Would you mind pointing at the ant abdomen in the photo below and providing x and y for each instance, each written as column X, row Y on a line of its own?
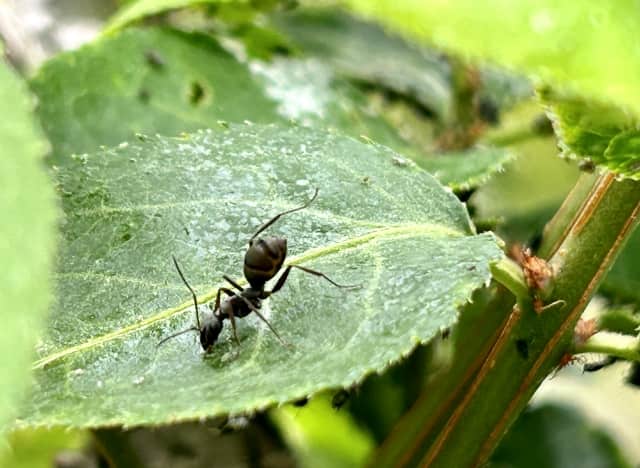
column 263, row 260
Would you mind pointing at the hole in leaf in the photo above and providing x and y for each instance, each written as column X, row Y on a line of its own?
column 196, row 93
column 154, row 59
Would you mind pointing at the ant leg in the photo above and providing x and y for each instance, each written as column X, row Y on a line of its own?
column 217, row 306
column 193, row 294
column 233, row 283
column 284, row 276
column 263, row 318
column 232, row 318
column 277, row 217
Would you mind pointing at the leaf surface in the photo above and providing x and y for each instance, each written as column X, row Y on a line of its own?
column 84, row 95
column 365, row 52
column 623, row 280
column 155, row 80
column 88, row 98
column 407, row 241
column 319, row 436
column 466, row 169
column 596, row 132
column 27, row 239
column 589, row 48
column 531, row 189
column 139, row 9
column 556, row 436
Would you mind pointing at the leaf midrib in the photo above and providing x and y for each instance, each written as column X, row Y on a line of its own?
column 396, row 231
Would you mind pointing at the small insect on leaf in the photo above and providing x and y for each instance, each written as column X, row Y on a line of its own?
column 263, row 260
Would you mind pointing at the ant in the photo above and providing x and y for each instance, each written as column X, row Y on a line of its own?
column 263, row 260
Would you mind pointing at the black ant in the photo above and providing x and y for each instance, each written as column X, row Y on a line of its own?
column 263, row 260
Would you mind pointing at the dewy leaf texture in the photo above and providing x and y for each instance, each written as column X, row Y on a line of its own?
column 391, row 228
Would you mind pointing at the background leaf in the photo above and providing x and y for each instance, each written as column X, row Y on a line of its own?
column 597, row 132
column 156, row 80
column 139, row 9
column 307, row 432
column 589, row 48
column 41, row 448
column 402, row 236
column 466, row 169
column 527, row 194
column 622, row 283
column 27, row 239
column 84, row 94
column 556, row 436
column 346, row 43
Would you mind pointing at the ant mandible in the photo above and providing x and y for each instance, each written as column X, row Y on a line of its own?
column 263, row 260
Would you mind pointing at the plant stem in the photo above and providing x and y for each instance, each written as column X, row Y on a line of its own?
column 443, row 391
column 613, row 344
column 509, row 274
column 557, row 228
column 529, row 345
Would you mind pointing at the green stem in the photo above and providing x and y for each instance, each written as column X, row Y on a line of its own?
column 558, row 227
column 614, row 344
column 527, row 346
column 443, row 391
column 509, row 274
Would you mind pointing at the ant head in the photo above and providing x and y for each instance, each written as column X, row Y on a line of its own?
column 263, row 259
column 210, row 331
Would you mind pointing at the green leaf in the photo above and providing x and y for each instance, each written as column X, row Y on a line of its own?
column 27, row 239
column 143, row 81
column 466, row 169
column 347, row 43
column 590, row 48
column 556, row 436
column 623, row 280
column 404, row 238
column 139, row 9
column 597, row 132
column 320, row 436
column 308, row 92
column 37, row 448
column 85, row 94
column 527, row 194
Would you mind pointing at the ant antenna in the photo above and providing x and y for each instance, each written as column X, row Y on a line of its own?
column 164, row 340
column 277, row 217
column 193, row 294
column 195, row 301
